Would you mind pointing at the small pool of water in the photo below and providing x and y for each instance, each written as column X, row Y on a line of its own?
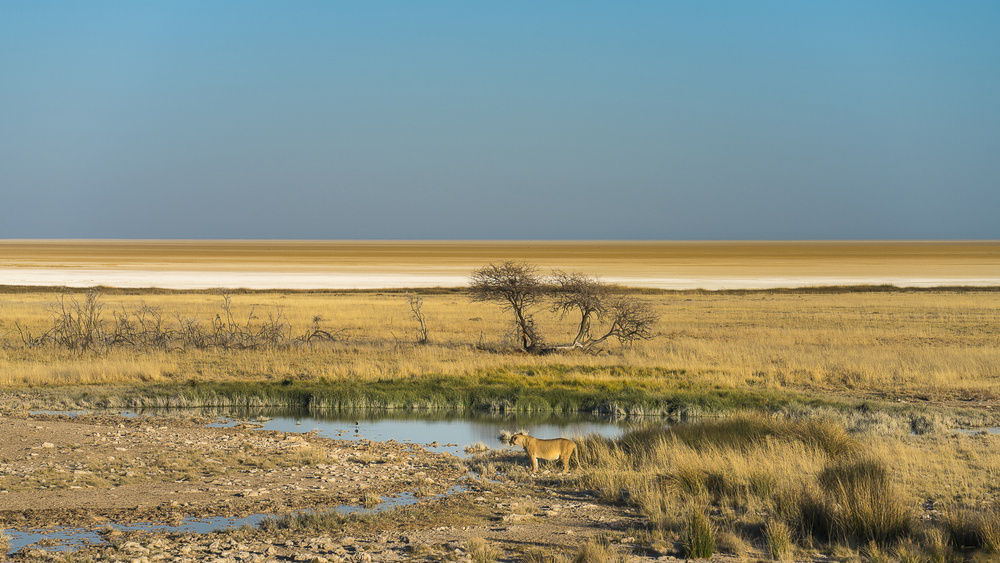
column 440, row 432
column 988, row 430
column 452, row 436
column 65, row 538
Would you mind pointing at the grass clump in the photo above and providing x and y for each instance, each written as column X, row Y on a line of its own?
column 540, row 556
column 973, row 529
column 594, row 551
column 699, row 540
column 937, row 547
column 371, row 500
column 875, row 554
column 779, row 540
column 909, row 552
column 480, row 551
column 477, row 448
column 733, row 543
column 866, row 507
column 304, row 520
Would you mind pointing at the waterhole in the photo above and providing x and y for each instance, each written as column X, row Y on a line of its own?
column 438, row 432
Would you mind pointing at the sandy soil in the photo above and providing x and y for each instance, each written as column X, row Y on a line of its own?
column 393, row 264
column 92, row 470
column 78, row 471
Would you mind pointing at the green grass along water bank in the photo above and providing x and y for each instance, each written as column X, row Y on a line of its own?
column 647, row 392
column 548, row 389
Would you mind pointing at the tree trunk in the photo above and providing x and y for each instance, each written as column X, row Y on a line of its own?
column 581, row 334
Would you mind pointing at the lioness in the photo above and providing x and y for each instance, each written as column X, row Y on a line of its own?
column 556, row 448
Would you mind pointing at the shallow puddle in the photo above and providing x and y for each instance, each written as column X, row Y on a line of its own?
column 987, row 430
column 65, row 538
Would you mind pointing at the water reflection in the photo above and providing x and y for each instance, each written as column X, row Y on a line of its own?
column 452, row 432
column 448, row 431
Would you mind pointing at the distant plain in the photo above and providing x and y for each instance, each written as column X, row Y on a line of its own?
column 191, row 264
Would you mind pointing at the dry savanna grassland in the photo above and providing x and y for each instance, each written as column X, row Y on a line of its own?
column 823, row 424
column 919, row 345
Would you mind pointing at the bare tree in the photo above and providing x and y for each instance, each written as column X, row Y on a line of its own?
column 582, row 293
column 78, row 325
column 631, row 320
column 518, row 287
column 416, row 306
column 228, row 333
column 143, row 327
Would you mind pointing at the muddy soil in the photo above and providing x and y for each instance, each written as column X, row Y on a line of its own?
column 92, row 470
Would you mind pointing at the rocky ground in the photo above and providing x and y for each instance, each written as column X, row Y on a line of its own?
column 94, row 470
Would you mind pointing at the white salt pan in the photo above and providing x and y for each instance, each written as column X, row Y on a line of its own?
column 176, row 279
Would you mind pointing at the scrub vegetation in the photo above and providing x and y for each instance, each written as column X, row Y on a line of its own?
column 712, row 351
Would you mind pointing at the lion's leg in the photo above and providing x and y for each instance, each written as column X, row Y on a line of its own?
column 534, row 464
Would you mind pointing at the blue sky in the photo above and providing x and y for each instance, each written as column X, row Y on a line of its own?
column 500, row 120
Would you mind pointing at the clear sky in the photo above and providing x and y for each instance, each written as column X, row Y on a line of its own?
column 500, row 120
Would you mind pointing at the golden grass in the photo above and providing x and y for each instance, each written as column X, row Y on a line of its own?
column 784, row 482
column 481, row 551
column 941, row 344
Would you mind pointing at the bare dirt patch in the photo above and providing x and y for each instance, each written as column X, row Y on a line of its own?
column 55, row 470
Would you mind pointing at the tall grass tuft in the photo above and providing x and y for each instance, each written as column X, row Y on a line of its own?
column 699, row 538
column 909, row 552
column 876, row 554
column 779, row 540
column 481, row 551
column 867, row 507
column 936, row 546
column 968, row 529
column 596, row 552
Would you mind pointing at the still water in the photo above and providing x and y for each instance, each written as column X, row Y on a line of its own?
column 64, row 538
column 437, row 432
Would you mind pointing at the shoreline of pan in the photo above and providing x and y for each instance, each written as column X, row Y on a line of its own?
column 207, row 280
column 345, row 265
